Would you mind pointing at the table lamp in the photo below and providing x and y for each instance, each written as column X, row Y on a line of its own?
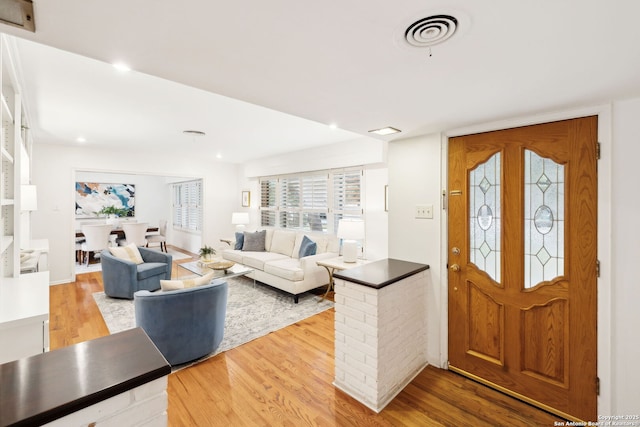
column 240, row 219
column 350, row 230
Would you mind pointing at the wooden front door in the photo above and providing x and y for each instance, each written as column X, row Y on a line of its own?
column 522, row 262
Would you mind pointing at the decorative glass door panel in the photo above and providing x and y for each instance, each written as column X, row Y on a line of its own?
column 522, row 256
column 484, row 215
column 544, row 219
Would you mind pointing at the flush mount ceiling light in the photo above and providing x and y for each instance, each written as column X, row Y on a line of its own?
column 385, row 131
column 18, row 13
column 430, row 31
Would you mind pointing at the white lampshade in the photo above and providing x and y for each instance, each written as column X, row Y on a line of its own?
column 28, row 198
column 350, row 230
column 240, row 218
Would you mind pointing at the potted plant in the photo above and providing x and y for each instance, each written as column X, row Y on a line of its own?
column 206, row 252
column 113, row 210
column 112, row 213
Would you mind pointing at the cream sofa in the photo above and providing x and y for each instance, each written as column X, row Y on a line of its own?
column 279, row 265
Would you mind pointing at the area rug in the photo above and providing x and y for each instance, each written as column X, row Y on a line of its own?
column 252, row 311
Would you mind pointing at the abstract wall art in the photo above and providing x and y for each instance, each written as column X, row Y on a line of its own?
column 92, row 197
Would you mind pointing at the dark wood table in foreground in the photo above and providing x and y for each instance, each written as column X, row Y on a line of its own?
column 43, row 388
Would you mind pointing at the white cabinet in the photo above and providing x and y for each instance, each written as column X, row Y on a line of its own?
column 24, row 316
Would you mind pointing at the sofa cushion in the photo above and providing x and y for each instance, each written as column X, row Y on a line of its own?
column 327, row 243
column 150, row 269
column 268, row 238
column 282, row 242
column 234, row 255
column 239, row 241
column 128, row 253
column 288, row 268
column 172, row 285
column 254, row 242
column 307, row 248
column 258, row 259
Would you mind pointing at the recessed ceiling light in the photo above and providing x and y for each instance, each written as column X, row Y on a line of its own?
column 121, row 67
column 81, row 139
column 218, row 156
column 333, row 126
column 385, row 131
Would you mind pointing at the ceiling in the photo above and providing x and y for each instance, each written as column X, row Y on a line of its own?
column 261, row 78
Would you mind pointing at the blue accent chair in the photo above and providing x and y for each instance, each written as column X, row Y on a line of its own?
column 122, row 278
column 184, row 324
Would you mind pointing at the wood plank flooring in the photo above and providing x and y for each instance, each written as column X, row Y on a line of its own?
column 286, row 379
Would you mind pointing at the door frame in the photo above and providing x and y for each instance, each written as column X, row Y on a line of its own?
column 604, row 282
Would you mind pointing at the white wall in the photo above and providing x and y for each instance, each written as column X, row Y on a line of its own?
column 625, row 248
column 54, row 168
column 376, row 245
column 415, row 179
column 364, row 151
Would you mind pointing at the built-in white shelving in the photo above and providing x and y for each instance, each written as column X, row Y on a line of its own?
column 6, row 157
column 24, row 298
column 11, row 119
column 7, row 114
column 5, row 242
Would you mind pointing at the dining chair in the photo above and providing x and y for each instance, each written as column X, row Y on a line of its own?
column 161, row 237
column 134, row 233
column 96, row 238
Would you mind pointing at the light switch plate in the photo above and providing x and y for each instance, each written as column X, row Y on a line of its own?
column 424, row 211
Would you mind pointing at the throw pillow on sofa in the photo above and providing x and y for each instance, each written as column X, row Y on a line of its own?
column 307, row 248
column 128, row 253
column 283, row 242
column 239, row 241
column 254, row 241
column 172, row 285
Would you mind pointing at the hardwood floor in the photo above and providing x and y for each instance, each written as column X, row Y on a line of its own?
column 285, row 378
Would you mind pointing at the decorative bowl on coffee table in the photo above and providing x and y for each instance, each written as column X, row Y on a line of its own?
column 221, row 265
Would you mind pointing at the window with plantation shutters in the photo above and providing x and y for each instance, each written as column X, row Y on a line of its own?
column 311, row 201
column 290, row 202
column 347, row 201
column 268, row 202
column 187, row 205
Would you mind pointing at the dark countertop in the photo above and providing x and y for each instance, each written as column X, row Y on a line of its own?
column 43, row 388
column 381, row 273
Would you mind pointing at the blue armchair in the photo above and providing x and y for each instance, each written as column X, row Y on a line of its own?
column 184, row 324
column 122, row 278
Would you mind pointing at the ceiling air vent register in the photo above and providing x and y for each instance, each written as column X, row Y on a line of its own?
column 431, row 31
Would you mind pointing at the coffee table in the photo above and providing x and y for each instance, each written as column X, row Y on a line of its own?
column 200, row 269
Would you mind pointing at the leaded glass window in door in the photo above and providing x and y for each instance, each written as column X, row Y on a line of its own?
column 484, row 215
column 544, row 219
